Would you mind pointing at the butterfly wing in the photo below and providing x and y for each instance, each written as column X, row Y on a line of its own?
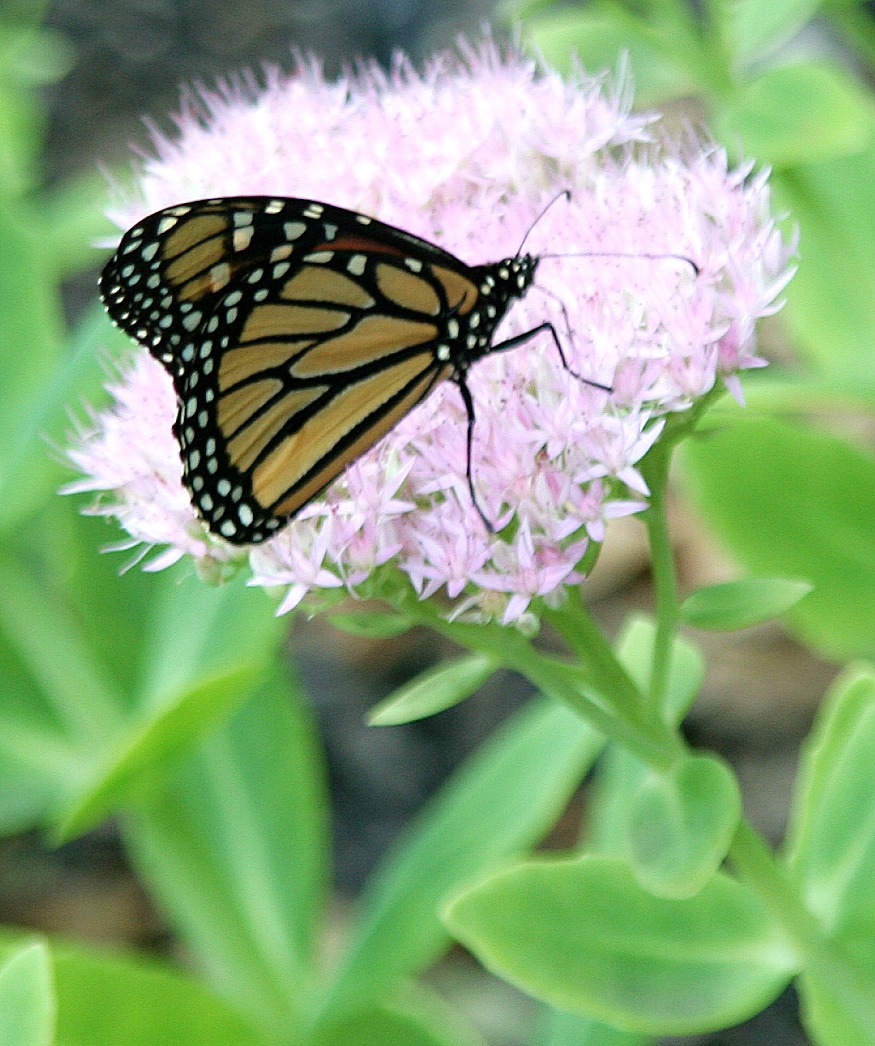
column 297, row 335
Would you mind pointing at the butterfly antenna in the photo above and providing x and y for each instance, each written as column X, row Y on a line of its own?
column 567, row 194
column 630, row 257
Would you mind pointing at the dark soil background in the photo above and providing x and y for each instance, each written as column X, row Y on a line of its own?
column 131, row 56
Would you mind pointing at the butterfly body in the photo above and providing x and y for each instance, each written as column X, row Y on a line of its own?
column 297, row 334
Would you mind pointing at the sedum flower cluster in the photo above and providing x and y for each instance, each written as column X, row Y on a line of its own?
column 468, row 154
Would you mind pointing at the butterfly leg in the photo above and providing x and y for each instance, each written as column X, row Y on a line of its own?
column 468, row 400
column 518, row 339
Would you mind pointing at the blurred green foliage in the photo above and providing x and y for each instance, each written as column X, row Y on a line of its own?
column 788, row 83
column 158, row 699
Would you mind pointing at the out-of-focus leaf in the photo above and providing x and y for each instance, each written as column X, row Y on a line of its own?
column 27, row 997
column 234, row 848
column 561, row 1028
column 434, row 690
column 372, row 625
column 681, row 824
column 757, row 28
column 126, row 1001
column 830, row 310
column 596, row 36
column 740, row 604
column 797, row 114
column 503, row 799
column 149, row 747
column 584, row 936
column 794, row 502
column 832, row 836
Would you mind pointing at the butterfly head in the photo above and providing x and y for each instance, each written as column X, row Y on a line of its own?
column 506, row 281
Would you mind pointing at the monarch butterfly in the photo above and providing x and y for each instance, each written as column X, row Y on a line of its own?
column 297, row 334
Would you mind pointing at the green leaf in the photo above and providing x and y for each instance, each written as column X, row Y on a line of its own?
column 595, row 38
column 681, row 824
column 30, row 474
column 31, row 322
column 44, row 634
column 34, row 57
column 395, row 1025
column 198, row 631
column 434, row 690
column 27, row 997
column 372, row 625
column 503, row 799
column 831, row 843
column 115, row 607
column 22, row 127
column 127, row 1001
column 830, row 310
column 572, row 1029
column 149, row 747
column 206, row 652
column 825, row 1017
column 740, row 604
column 72, row 221
column 635, row 648
column 234, row 848
column 619, row 775
column 757, row 28
column 831, row 846
column 793, row 502
column 32, row 767
column 585, row 937
column 796, row 114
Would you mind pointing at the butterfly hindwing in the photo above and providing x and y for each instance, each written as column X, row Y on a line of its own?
column 297, row 335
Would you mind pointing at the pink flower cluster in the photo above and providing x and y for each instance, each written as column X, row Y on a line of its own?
column 467, row 155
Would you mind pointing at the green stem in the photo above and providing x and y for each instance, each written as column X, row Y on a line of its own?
column 664, row 576
column 576, row 626
column 586, row 640
column 589, row 688
column 655, row 469
column 819, row 956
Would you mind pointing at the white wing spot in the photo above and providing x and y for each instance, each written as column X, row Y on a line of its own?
column 357, row 264
column 242, row 238
column 280, row 253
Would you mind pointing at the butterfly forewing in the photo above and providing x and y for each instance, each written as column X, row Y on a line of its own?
column 297, row 335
